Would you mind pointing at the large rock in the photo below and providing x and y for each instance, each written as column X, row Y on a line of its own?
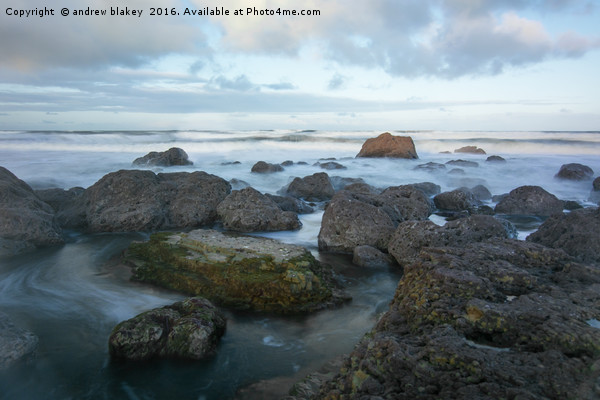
column 368, row 256
column 529, row 200
column 173, row 156
column 188, row 329
column 412, row 236
column 26, row 221
column 456, row 200
column 68, row 206
column 315, row 187
column 248, row 210
column 501, row 319
column 575, row 172
column 387, row 145
column 134, row 200
column 263, row 167
column 235, row 271
column 577, row 233
column 470, row 150
column 16, row 343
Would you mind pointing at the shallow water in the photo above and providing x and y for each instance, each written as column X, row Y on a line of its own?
column 72, row 296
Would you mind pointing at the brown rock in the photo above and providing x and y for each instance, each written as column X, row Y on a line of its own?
column 470, row 150
column 387, row 145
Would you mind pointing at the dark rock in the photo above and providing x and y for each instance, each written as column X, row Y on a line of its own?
column 331, row 165
column 529, row 200
column 470, row 150
column 339, row 182
column 495, row 159
column 571, row 205
column 287, row 163
column 412, row 236
column 315, row 187
column 134, row 200
column 577, row 233
column 188, row 329
column 431, row 167
column 596, row 184
column 501, row 319
column 236, row 271
column 26, row 221
column 404, row 203
column 575, row 172
column 237, row 184
column 481, row 193
column 463, row 163
column 231, row 163
column 456, row 200
column 387, row 145
column 248, row 210
column 594, row 197
column 16, row 344
column 456, row 171
column 289, row 203
column 262, row 167
column 302, row 163
column 68, row 206
column 429, row 188
column 368, row 256
column 173, row 156
column 498, row 197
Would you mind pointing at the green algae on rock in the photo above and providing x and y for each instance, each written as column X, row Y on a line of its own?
column 235, row 271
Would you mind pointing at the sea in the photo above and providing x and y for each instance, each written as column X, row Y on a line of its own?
column 72, row 296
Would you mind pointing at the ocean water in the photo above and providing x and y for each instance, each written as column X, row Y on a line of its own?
column 71, row 296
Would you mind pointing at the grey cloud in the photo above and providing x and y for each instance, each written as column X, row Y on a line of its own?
column 280, row 86
column 337, row 82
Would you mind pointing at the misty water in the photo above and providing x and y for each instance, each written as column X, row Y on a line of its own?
column 72, row 296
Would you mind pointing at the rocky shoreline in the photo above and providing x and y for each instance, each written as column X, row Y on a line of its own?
column 477, row 314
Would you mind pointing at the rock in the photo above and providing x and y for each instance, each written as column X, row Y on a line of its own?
column 188, row 329
column 431, row 167
column 235, row 271
column 16, row 344
column 331, row 165
column 248, row 210
column 457, row 200
column 429, row 188
column 594, row 197
column 368, row 256
column 339, row 182
column 231, row 163
column 456, row 171
column 173, row 156
column 481, row 193
column 135, row 200
column 529, row 200
column 26, row 221
column 68, row 206
column 387, row 145
column 237, row 184
column 495, row 159
column 412, row 236
column 470, row 150
column 404, row 203
column 315, row 187
column 289, row 203
column 463, row 163
column 577, row 233
column 575, row 172
column 596, row 184
column 571, row 205
column 262, row 167
column 287, row 163
column 501, row 319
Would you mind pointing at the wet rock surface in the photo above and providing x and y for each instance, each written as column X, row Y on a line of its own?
column 529, row 200
column 236, row 271
column 68, row 206
column 575, row 172
column 173, row 156
column 368, row 256
column 387, row 145
column 188, row 329
column 315, row 187
column 16, row 344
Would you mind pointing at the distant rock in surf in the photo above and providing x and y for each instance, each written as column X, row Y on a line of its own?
column 387, row 145
column 173, row 156
column 575, row 172
column 470, row 150
column 463, row 163
column 263, row 167
column 495, row 159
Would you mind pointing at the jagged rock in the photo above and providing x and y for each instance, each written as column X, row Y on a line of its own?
column 470, row 150
column 173, row 156
column 315, row 187
column 387, row 145
column 289, row 203
column 188, row 329
column 16, row 344
column 248, row 210
column 26, row 221
column 135, row 200
column 529, row 200
column 575, row 172
column 262, row 167
column 577, row 233
column 236, row 271
column 495, row 159
column 463, row 163
column 68, row 206
column 368, row 256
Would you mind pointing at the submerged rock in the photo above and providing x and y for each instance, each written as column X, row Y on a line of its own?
column 235, row 271
column 463, row 163
column 315, row 187
column 16, row 344
column 470, row 150
column 331, row 165
column 387, row 145
column 289, row 203
column 529, row 200
column 575, row 172
column 495, row 159
column 187, row 329
column 368, row 256
column 173, row 156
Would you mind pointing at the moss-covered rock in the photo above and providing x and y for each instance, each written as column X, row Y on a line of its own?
column 236, row 271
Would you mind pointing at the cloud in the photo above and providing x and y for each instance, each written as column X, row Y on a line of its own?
column 337, row 82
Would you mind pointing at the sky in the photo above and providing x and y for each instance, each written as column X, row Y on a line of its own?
column 352, row 65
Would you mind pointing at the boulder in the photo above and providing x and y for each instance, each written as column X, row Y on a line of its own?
column 596, row 184
column 26, row 221
column 235, row 271
column 481, row 193
column 529, row 200
column 495, row 159
column 368, row 256
column 16, row 344
column 136, row 200
column 412, row 236
column 68, row 206
column 315, row 187
column 331, row 165
column 173, row 156
column 463, row 163
column 262, row 167
column 387, row 145
column 248, row 210
column 188, row 329
column 289, row 203
column 496, row 319
column 404, row 203
column 575, row 172
column 339, row 182
column 470, row 150
column 456, row 200
column 429, row 188
column 577, row 233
